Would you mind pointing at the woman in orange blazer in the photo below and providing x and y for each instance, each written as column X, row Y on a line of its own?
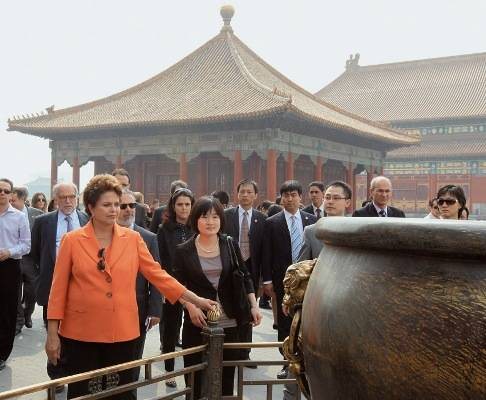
column 92, row 311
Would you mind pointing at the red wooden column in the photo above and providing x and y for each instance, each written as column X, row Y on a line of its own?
column 76, row 171
column 289, row 172
column 183, row 167
column 351, row 181
column 318, row 169
column 237, row 172
column 271, row 174
column 432, row 186
column 203, row 175
column 139, row 175
column 369, row 177
column 53, row 170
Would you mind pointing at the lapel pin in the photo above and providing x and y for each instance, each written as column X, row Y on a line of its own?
column 256, row 220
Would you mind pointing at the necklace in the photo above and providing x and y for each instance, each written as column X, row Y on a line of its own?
column 203, row 249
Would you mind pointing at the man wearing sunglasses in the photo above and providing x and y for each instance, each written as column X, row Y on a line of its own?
column 381, row 195
column 149, row 300
column 47, row 232
column 26, row 303
column 433, row 208
column 14, row 243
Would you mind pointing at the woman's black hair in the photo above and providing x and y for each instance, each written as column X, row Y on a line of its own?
column 178, row 193
column 202, row 206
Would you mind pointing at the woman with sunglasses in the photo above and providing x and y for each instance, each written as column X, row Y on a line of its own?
column 39, row 201
column 173, row 231
column 92, row 311
column 203, row 263
column 451, row 200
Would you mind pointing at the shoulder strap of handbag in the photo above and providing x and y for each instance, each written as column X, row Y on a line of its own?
column 232, row 251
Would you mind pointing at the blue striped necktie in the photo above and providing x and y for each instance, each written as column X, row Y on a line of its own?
column 295, row 238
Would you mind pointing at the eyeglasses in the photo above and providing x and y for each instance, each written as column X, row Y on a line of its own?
column 101, row 262
column 334, row 198
column 125, row 205
column 448, row 201
column 40, row 199
column 6, row 191
column 71, row 197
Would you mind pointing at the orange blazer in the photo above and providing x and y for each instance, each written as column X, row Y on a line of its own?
column 101, row 306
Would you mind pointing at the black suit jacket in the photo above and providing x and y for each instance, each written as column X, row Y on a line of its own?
column 43, row 251
column 232, row 228
column 369, row 210
column 140, row 215
column 188, row 271
column 310, row 210
column 149, row 300
column 277, row 250
column 157, row 219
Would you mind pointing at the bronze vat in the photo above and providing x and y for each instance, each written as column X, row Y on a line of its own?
column 396, row 309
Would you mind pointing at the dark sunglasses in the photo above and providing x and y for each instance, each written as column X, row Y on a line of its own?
column 449, row 202
column 101, row 263
column 131, row 205
column 6, row 191
column 41, row 199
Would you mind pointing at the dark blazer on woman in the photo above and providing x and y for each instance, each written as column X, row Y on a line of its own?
column 188, row 271
column 167, row 239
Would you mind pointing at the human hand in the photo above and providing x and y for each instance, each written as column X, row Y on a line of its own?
column 153, row 321
column 197, row 316
column 268, row 289
column 4, row 254
column 206, row 304
column 285, row 310
column 53, row 347
column 256, row 316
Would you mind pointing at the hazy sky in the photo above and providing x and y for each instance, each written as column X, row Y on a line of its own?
column 70, row 52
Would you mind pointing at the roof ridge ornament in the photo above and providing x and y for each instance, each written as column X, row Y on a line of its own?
column 227, row 11
column 352, row 63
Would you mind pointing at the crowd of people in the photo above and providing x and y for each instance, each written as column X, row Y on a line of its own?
column 107, row 274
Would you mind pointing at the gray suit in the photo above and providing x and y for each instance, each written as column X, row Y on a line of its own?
column 312, row 246
column 149, row 300
column 26, row 302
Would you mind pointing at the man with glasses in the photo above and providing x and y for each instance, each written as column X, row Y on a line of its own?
column 123, row 178
column 433, row 208
column 381, row 195
column 14, row 243
column 149, row 300
column 47, row 232
column 316, row 194
column 26, row 303
column 337, row 198
column 283, row 238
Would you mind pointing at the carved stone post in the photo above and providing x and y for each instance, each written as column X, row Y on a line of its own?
column 212, row 376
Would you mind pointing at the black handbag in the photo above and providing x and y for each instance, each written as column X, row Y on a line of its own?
column 240, row 296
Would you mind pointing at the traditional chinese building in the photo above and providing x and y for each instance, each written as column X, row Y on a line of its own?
column 218, row 115
column 445, row 100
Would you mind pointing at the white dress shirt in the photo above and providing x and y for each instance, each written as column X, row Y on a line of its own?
column 314, row 208
column 14, row 233
column 298, row 221
column 62, row 226
column 378, row 209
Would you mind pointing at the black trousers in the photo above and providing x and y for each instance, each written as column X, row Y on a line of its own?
column 138, row 349
column 26, row 303
column 172, row 321
column 191, row 336
column 9, row 291
column 246, row 336
column 284, row 322
column 80, row 357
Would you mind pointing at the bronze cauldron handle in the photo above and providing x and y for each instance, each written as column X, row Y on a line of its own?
column 295, row 285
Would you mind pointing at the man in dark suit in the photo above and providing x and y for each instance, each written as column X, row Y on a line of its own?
column 47, row 232
column 316, row 194
column 283, row 233
column 381, row 194
column 123, row 178
column 26, row 302
column 149, row 300
column 245, row 224
column 159, row 212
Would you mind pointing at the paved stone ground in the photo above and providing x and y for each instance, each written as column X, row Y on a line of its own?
column 27, row 364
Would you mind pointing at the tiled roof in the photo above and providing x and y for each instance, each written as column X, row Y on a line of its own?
column 223, row 80
column 439, row 147
column 431, row 89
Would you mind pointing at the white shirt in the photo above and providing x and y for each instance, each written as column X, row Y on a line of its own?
column 378, row 209
column 241, row 211
column 314, row 208
column 298, row 221
column 62, row 226
column 14, row 233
